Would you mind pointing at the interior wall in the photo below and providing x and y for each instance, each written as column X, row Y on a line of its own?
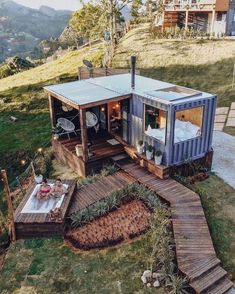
column 162, row 119
column 194, row 115
column 114, row 106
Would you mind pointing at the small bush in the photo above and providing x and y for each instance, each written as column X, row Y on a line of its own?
column 113, row 201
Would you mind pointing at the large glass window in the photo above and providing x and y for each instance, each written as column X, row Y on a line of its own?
column 155, row 123
column 188, row 124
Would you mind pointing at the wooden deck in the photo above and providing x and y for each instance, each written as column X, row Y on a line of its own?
column 30, row 225
column 94, row 192
column 195, row 252
column 64, row 150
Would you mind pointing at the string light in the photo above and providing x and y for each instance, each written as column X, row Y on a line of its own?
column 40, row 150
column 23, row 162
column 56, row 137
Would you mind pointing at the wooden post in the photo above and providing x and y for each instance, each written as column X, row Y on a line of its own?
column 52, row 111
column 213, row 21
column 84, row 134
column 163, row 20
column 233, row 74
column 9, row 205
column 186, row 19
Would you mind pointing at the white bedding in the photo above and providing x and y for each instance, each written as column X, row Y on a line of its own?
column 184, row 130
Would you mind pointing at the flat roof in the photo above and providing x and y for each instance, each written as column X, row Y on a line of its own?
column 95, row 90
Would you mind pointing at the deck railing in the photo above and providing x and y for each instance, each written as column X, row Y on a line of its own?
column 203, row 5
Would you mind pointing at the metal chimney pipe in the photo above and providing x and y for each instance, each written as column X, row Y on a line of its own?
column 133, row 64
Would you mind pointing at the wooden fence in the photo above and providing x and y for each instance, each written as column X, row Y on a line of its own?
column 85, row 73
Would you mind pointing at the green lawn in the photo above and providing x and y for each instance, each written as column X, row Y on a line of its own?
column 48, row 266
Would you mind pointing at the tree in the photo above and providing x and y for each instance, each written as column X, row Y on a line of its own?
column 89, row 21
column 135, row 8
column 18, row 64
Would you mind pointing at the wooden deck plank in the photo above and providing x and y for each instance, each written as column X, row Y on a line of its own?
column 194, row 248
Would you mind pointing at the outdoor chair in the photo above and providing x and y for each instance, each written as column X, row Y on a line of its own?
column 67, row 126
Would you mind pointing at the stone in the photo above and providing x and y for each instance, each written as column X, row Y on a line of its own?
column 231, row 113
column 156, row 284
column 233, row 105
column 220, row 118
column 149, row 285
column 222, row 110
column 147, row 274
column 231, row 122
column 218, row 126
column 156, row 275
column 143, row 279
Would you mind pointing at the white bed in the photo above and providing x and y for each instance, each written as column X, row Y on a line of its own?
column 184, row 130
column 33, row 205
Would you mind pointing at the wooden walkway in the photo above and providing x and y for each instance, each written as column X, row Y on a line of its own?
column 195, row 252
column 94, row 192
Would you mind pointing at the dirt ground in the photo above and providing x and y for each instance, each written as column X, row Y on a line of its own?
column 127, row 222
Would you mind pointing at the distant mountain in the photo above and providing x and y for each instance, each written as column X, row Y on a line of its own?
column 21, row 28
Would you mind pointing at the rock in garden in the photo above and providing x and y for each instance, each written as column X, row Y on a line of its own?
column 147, row 274
column 143, row 279
column 149, row 285
column 156, row 275
column 156, row 284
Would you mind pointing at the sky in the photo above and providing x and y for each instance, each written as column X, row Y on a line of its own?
column 57, row 4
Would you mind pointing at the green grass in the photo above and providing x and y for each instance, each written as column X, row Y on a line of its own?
column 48, row 266
column 205, row 65
column 64, row 66
column 218, row 200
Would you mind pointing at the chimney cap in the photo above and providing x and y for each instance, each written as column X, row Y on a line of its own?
column 133, row 59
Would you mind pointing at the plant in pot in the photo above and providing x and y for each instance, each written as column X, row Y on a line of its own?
column 149, row 152
column 38, row 176
column 158, row 157
column 140, row 147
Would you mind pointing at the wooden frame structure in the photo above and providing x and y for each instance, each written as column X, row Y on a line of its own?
column 197, row 12
column 29, row 225
column 172, row 100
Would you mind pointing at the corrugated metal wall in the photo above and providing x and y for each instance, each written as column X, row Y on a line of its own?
column 180, row 152
column 196, row 147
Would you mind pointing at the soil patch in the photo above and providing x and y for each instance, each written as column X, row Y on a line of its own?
column 126, row 222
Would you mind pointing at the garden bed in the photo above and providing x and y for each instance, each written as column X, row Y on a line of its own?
column 128, row 221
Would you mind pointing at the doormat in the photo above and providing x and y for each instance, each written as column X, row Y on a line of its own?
column 113, row 142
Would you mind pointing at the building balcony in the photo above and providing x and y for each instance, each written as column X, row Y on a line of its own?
column 196, row 5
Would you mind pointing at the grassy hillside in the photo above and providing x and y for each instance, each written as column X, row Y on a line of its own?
column 201, row 64
column 65, row 66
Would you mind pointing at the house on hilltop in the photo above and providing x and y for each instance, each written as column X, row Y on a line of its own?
column 211, row 16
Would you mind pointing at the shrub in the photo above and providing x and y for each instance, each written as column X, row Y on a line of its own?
column 113, row 201
column 158, row 153
column 106, row 171
column 150, row 148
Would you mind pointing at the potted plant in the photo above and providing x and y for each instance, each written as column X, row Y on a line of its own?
column 140, row 147
column 158, row 157
column 149, row 152
column 38, row 177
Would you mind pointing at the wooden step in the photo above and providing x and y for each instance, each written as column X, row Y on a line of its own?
column 119, row 157
column 207, row 280
column 221, row 287
column 203, row 267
